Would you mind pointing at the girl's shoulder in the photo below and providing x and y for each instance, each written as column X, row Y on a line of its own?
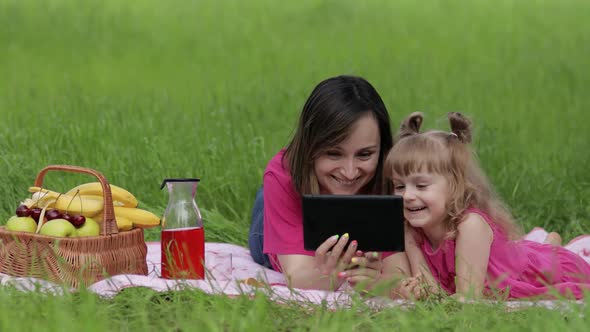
column 476, row 211
column 476, row 221
column 473, row 212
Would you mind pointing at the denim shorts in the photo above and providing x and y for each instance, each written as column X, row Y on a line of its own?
column 256, row 234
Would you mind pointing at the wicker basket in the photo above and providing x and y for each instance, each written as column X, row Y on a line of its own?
column 80, row 261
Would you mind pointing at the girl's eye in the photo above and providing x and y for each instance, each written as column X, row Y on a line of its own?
column 421, row 186
column 398, row 187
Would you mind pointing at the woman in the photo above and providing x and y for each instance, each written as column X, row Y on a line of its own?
column 342, row 137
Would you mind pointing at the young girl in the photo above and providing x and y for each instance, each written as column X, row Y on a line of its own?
column 460, row 237
column 339, row 148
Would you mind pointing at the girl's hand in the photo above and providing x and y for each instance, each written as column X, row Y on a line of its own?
column 417, row 288
column 365, row 268
column 330, row 256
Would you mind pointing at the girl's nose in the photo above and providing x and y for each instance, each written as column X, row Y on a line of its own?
column 408, row 194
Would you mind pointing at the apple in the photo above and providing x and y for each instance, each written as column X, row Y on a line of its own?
column 58, row 227
column 21, row 224
column 90, row 228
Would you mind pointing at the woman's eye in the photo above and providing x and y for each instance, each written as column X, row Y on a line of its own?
column 332, row 153
column 365, row 155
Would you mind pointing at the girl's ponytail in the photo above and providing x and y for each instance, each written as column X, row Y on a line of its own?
column 410, row 125
column 460, row 126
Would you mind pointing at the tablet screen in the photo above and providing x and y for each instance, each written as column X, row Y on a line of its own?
column 375, row 221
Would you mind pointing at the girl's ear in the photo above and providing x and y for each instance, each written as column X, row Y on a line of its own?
column 411, row 125
column 460, row 126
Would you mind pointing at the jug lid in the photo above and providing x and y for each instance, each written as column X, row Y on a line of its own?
column 179, row 180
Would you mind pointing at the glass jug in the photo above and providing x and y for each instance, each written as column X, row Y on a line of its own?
column 183, row 236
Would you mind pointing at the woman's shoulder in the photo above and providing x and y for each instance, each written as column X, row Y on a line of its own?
column 277, row 164
column 277, row 178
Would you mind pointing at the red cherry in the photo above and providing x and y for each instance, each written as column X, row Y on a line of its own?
column 52, row 214
column 35, row 214
column 78, row 220
column 23, row 211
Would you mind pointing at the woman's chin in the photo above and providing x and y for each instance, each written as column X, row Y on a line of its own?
column 343, row 191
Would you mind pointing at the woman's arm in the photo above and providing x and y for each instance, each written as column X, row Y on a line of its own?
column 319, row 271
column 472, row 253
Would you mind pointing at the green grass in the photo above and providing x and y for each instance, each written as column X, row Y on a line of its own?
column 144, row 90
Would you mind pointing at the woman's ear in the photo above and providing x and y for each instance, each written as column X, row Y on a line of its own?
column 411, row 125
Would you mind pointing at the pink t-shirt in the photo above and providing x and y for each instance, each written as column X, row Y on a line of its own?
column 283, row 218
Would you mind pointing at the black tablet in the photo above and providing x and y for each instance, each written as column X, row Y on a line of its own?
column 375, row 221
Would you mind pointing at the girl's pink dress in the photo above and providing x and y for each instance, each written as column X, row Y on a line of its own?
column 516, row 269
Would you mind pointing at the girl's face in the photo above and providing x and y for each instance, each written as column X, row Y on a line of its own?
column 425, row 197
column 346, row 168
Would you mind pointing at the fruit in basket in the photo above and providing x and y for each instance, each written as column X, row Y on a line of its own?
column 77, row 220
column 53, row 214
column 139, row 217
column 23, row 211
column 35, row 214
column 127, row 218
column 21, row 224
column 124, row 224
column 72, row 204
column 86, row 201
column 121, row 197
column 58, row 227
column 89, row 228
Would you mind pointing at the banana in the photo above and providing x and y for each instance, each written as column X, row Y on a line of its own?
column 124, row 224
column 120, row 195
column 140, row 218
column 127, row 218
column 100, row 198
column 67, row 203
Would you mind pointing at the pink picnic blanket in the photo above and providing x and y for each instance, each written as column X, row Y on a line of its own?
column 230, row 270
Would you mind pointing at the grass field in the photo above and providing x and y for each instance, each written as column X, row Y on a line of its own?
column 144, row 90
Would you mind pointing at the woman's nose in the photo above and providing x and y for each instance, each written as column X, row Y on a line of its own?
column 349, row 170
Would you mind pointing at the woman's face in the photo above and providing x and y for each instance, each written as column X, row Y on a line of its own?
column 346, row 168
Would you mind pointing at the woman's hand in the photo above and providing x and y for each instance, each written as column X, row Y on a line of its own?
column 321, row 270
column 330, row 256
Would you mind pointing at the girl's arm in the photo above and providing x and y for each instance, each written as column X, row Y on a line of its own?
column 472, row 253
column 416, row 258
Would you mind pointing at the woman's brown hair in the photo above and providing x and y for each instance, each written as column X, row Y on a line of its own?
column 328, row 116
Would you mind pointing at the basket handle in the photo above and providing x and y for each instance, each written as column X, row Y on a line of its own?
column 109, row 223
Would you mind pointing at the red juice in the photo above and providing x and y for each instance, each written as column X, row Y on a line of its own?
column 183, row 253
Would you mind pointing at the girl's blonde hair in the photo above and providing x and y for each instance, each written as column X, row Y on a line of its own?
column 450, row 155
